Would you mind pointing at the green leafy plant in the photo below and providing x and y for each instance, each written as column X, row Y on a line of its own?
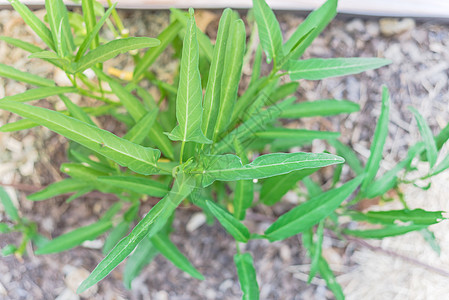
column 187, row 146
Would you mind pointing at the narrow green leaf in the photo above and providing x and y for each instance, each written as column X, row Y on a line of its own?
column 320, row 108
column 111, row 49
column 112, row 211
column 427, row 136
column 213, row 88
column 139, row 185
column 256, row 66
column 21, row 44
column 75, row 237
column 76, row 112
column 283, row 65
column 391, row 230
column 263, row 99
column 76, row 22
column 144, row 254
column 203, row 40
column 81, row 171
column 247, row 276
column 10, row 72
column 430, row 238
column 319, row 68
column 33, row 21
column 4, row 228
column 313, row 188
column 39, row 93
column 233, row 226
column 389, row 180
column 189, row 98
column 415, row 216
column 90, row 20
column 79, row 194
column 297, row 134
column 64, row 26
column 9, row 207
column 441, row 138
column 248, row 97
column 323, row 267
column 166, row 37
column 142, row 128
column 116, row 234
column 311, row 212
column 92, row 37
column 18, row 125
column 137, row 158
column 284, row 145
column 229, row 167
column 137, row 111
column 169, row 250
column 377, row 145
column 318, row 19
column 282, row 91
column 55, row 20
column 39, row 240
column 245, row 132
column 244, row 189
column 102, row 165
column 147, row 227
column 269, row 31
column 442, row 166
column 58, row 188
column 348, row 154
column 274, row 188
column 53, row 58
column 66, row 29
column 315, row 264
column 8, row 250
column 331, row 281
column 243, row 197
column 146, row 97
column 235, row 51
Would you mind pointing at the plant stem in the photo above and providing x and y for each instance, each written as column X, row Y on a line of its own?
column 118, row 21
column 183, row 144
column 89, row 94
column 72, row 80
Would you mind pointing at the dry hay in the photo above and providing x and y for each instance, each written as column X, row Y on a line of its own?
column 383, row 276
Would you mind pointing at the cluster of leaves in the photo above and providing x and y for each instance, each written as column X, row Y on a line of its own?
column 194, row 146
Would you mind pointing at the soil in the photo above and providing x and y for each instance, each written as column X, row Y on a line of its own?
column 30, row 159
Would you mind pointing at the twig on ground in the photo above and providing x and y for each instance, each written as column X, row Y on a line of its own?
column 398, row 255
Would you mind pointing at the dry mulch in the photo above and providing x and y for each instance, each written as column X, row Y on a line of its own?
column 418, row 77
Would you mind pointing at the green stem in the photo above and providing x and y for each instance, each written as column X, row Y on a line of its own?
column 89, row 94
column 87, row 82
column 237, row 246
column 72, row 79
column 183, row 144
column 118, row 21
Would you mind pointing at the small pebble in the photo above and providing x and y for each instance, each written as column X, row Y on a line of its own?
column 162, row 295
column 67, row 294
column 391, row 26
column 74, row 278
column 355, row 25
column 285, row 253
column 372, row 29
column 195, row 222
